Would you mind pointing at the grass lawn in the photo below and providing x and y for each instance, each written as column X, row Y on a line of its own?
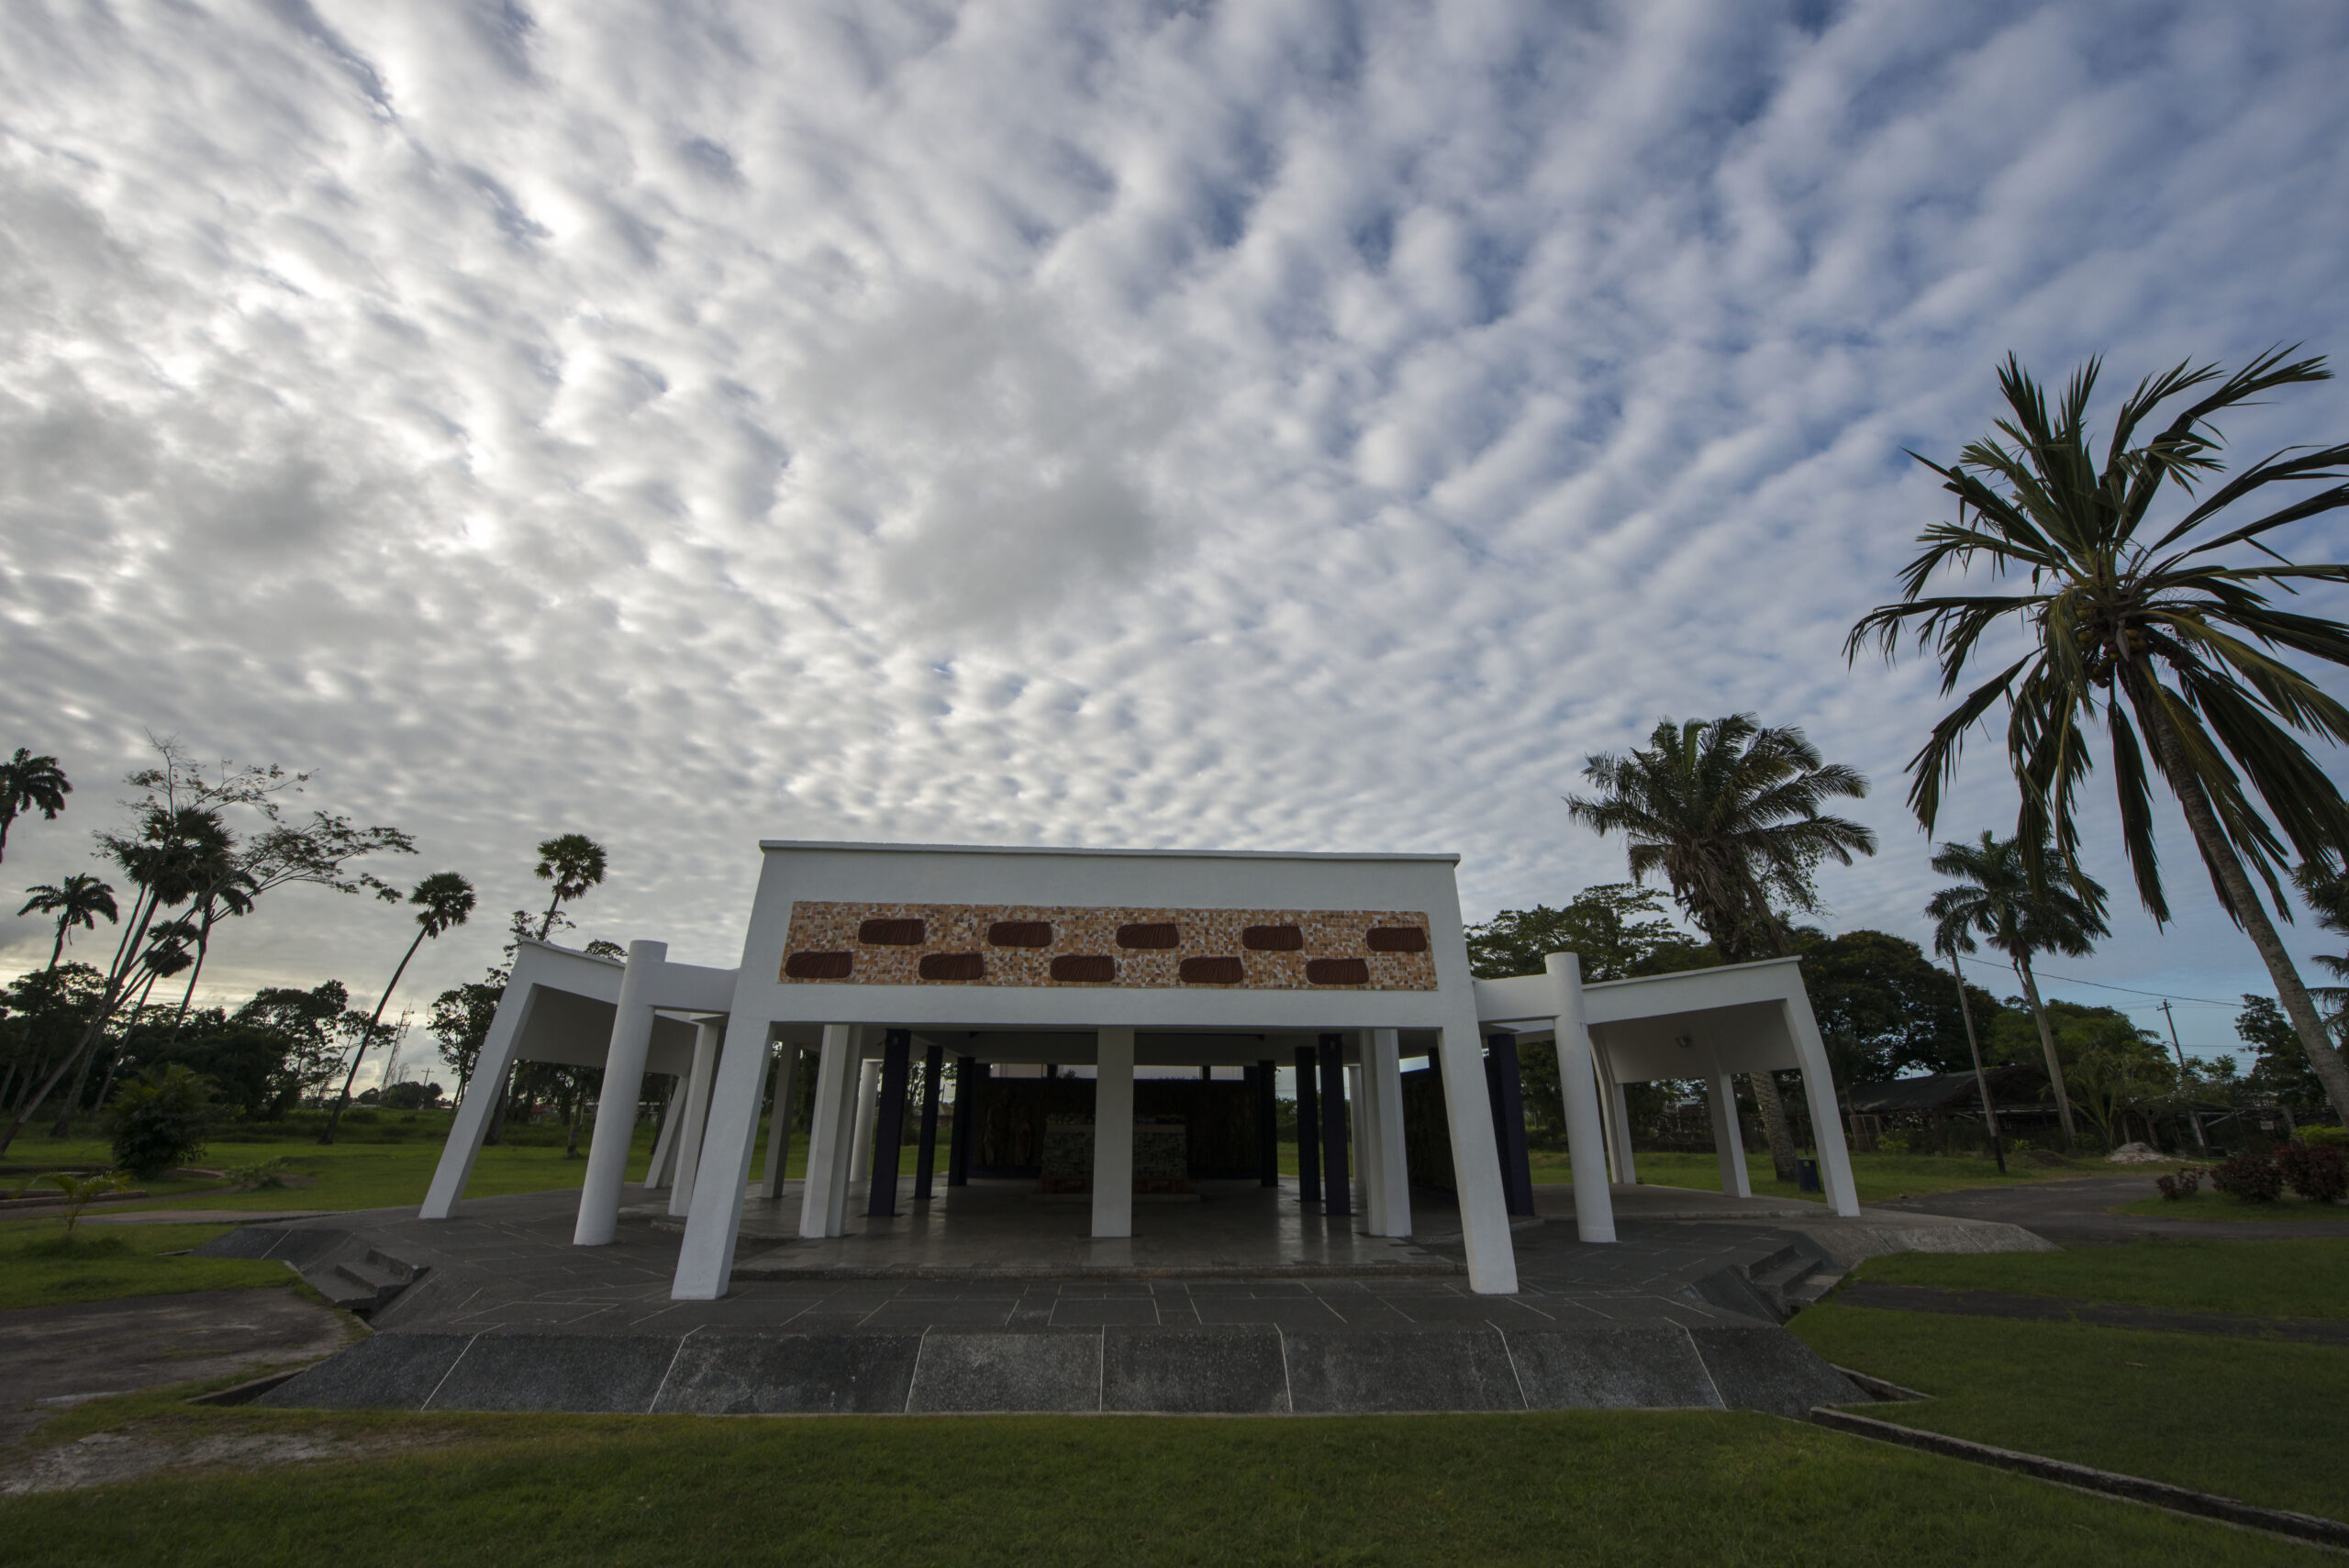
column 1621, row 1489
column 39, row 1268
column 2278, row 1279
column 2258, row 1420
column 2218, row 1205
column 1879, row 1176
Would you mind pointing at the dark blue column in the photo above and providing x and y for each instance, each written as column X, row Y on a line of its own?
column 969, row 1073
column 1308, row 1128
column 889, row 1127
column 1337, row 1186
column 926, row 1159
column 1268, row 1131
column 1505, row 1085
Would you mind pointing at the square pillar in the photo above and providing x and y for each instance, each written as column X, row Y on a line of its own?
column 1374, row 1202
column 1627, row 1169
column 933, row 1064
column 1476, row 1164
column 969, row 1073
column 1826, row 1117
column 1309, row 1126
column 1390, row 1168
column 599, row 1191
column 472, row 1124
column 658, row 1170
column 1505, row 1086
column 1578, row 1078
column 1113, row 1135
column 1337, row 1184
column 1268, row 1131
column 889, row 1133
column 868, row 1106
column 828, row 1124
column 1728, row 1140
column 786, row 1093
column 695, row 1127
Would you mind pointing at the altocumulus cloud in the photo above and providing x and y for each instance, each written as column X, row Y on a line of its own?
column 1278, row 424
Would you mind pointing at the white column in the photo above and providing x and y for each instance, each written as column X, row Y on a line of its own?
column 1579, row 1081
column 1818, row 1089
column 472, row 1124
column 1729, row 1141
column 599, row 1193
column 1365, row 1131
column 1476, row 1164
column 868, row 1111
column 786, row 1086
column 1383, row 1079
column 707, row 1033
column 1113, row 1134
column 1627, row 1169
column 828, row 1124
column 664, row 1142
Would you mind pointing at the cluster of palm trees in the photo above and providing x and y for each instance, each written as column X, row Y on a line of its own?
column 2160, row 635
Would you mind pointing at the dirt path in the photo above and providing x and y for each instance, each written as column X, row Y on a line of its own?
column 2071, row 1214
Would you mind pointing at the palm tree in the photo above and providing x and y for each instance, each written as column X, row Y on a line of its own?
column 79, row 901
column 573, row 862
column 29, row 784
column 1996, row 902
column 1728, row 812
column 443, row 900
column 2156, row 638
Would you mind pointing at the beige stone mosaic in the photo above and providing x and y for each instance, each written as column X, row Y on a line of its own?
column 824, row 946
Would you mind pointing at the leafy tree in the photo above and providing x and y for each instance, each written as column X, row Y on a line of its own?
column 28, row 782
column 1728, row 812
column 1884, row 1007
column 308, row 1022
column 2278, row 1066
column 2156, row 638
column 460, row 1020
column 245, row 1062
column 77, row 901
column 1617, row 929
column 42, row 1015
column 1997, row 901
column 443, row 901
column 160, row 1120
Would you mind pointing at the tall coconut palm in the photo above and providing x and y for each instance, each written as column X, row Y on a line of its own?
column 1728, row 812
column 1996, row 902
column 573, row 862
column 29, row 784
column 443, row 901
column 2146, row 628
column 78, row 900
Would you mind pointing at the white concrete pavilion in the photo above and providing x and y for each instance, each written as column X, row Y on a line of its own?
column 1118, row 960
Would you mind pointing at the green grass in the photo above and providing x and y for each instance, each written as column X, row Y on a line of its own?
column 1622, row 1488
column 2218, row 1205
column 38, row 1268
column 2275, row 1279
column 2254, row 1420
column 1879, row 1177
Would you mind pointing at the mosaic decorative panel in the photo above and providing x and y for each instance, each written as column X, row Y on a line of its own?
column 986, row 944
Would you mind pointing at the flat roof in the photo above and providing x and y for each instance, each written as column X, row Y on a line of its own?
column 1099, row 855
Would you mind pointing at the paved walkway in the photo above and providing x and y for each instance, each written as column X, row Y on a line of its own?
column 2103, row 1314
column 2073, row 1214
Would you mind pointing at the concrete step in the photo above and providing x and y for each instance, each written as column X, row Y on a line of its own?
column 365, row 1285
column 1793, row 1277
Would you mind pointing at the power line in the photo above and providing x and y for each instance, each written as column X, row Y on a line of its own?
column 2132, row 990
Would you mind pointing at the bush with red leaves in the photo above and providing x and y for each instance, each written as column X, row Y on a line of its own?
column 2319, row 1174
column 2251, row 1177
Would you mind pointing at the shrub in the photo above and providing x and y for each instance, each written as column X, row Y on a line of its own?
column 158, row 1119
column 2184, row 1184
column 2251, row 1177
column 2319, row 1174
column 2325, row 1137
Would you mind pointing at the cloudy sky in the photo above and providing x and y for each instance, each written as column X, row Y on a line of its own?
column 1279, row 425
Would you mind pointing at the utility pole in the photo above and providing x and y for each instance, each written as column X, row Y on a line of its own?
column 2192, row 1115
column 1981, row 1082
